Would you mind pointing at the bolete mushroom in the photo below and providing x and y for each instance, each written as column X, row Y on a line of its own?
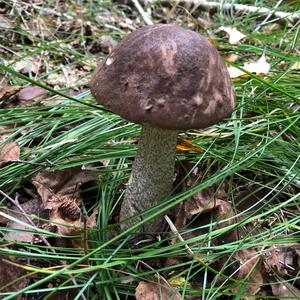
column 168, row 79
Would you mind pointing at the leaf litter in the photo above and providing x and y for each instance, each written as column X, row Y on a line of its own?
column 57, row 208
column 156, row 291
column 259, row 67
column 254, row 267
column 61, row 196
column 12, row 277
column 234, row 35
column 9, row 148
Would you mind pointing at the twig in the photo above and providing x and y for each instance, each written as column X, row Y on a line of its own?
column 268, row 16
column 20, row 208
column 175, row 231
column 17, row 204
column 141, row 11
column 291, row 16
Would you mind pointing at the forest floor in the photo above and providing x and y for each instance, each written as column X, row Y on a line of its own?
column 232, row 228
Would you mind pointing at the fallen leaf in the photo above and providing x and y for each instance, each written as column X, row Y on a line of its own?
column 185, row 145
column 61, row 183
column 60, row 193
column 249, row 271
column 260, row 67
column 199, row 209
column 269, row 28
column 92, row 218
column 285, row 291
column 155, row 291
column 11, row 276
column 204, row 23
column 296, row 66
column 234, row 35
column 18, row 231
column 9, row 150
column 7, row 90
column 223, row 211
column 31, row 95
column 282, row 261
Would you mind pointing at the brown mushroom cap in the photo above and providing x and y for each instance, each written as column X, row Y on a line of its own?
column 165, row 76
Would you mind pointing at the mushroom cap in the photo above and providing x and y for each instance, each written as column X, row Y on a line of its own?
column 165, row 76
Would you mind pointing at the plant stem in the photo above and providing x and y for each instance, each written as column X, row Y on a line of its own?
column 152, row 176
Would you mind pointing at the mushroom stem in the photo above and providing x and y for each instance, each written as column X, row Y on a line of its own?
column 152, row 175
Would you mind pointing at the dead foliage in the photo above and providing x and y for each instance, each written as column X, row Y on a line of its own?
column 31, row 95
column 251, row 269
column 156, row 291
column 12, row 276
column 9, row 148
column 60, row 194
column 7, row 91
column 56, row 195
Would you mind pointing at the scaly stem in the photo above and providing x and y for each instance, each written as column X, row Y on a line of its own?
column 152, row 175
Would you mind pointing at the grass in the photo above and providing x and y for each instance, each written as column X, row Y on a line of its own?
column 254, row 154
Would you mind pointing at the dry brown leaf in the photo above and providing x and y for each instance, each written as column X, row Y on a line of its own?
column 204, row 23
column 285, row 291
column 250, row 269
column 224, row 210
column 269, row 28
column 9, row 150
column 5, row 23
column 31, row 95
column 198, row 203
column 61, row 183
column 283, row 261
column 22, row 233
column 201, row 202
column 92, row 219
column 203, row 208
column 60, row 193
column 156, row 291
column 7, row 90
column 11, row 276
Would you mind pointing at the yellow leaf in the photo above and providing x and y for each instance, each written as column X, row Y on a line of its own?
column 176, row 281
column 185, row 145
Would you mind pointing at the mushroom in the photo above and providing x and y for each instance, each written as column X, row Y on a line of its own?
column 168, row 79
